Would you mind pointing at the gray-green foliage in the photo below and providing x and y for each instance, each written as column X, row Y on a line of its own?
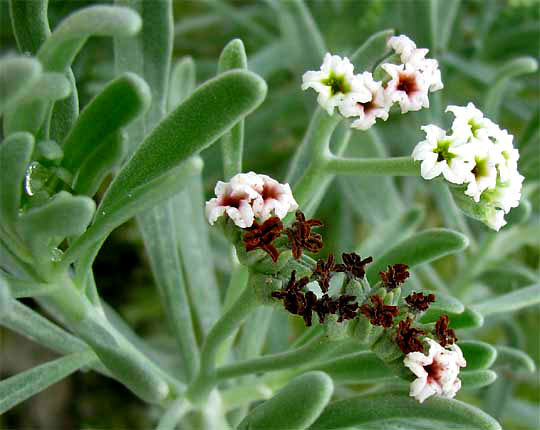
column 150, row 128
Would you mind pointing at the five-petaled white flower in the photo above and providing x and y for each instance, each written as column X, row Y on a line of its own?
column 437, row 372
column 408, row 86
column 483, row 176
column 248, row 196
column 335, row 83
column 471, row 123
column 377, row 107
column 444, row 154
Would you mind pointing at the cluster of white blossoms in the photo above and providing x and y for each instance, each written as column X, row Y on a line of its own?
column 248, row 196
column 362, row 97
column 437, row 372
column 479, row 155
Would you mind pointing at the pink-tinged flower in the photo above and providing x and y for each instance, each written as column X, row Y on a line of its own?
column 437, row 372
column 405, row 47
column 248, row 196
column 367, row 112
column 273, row 197
column 408, row 87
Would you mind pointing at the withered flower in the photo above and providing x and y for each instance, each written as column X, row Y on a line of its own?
column 379, row 314
column 323, row 272
column 325, row 306
column 419, row 301
column 292, row 296
column 446, row 335
column 310, row 302
column 346, row 310
column 407, row 337
column 262, row 235
column 395, row 275
column 301, row 237
column 353, row 265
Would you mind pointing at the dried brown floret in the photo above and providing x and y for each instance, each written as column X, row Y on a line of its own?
column 379, row 314
column 325, row 306
column 346, row 310
column 407, row 337
column 353, row 265
column 262, row 235
column 301, row 237
column 446, row 335
column 292, row 296
column 395, row 275
column 419, row 301
column 323, row 272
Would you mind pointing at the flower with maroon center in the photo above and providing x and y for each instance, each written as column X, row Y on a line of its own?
column 353, row 265
column 446, row 335
column 323, row 272
column 292, row 296
column 261, row 236
column 301, row 237
column 419, row 302
column 395, row 275
column 437, row 372
column 379, row 314
column 407, row 337
column 273, row 197
column 407, row 86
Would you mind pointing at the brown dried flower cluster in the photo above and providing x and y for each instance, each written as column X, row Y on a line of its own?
column 407, row 337
column 301, row 237
column 323, row 272
column 353, row 265
column 262, row 236
column 446, row 335
column 395, row 275
column 379, row 314
column 419, row 302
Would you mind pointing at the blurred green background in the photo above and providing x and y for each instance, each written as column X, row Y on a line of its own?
column 485, row 34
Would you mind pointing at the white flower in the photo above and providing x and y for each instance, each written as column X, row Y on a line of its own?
column 444, row 154
column 494, row 218
column 406, row 48
column 408, row 87
column 335, row 83
column 430, row 69
column 273, row 197
column 437, row 372
column 248, row 196
column 377, row 106
column 506, row 194
column 483, row 176
column 508, row 156
column 471, row 123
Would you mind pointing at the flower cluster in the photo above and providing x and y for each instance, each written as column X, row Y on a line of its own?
column 480, row 156
column 361, row 97
column 248, row 196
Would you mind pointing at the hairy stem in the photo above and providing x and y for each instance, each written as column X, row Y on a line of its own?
column 397, row 166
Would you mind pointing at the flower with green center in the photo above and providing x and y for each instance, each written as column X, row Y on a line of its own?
column 470, row 123
column 444, row 154
column 336, row 84
column 483, row 175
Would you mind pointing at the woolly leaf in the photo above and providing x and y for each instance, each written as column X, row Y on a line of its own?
column 18, row 388
column 469, row 318
column 115, row 106
column 510, row 302
column 479, row 355
column 183, row 81
column 477, row 379
column 420, row 248
column 17, row 75
column 443, row 305
column 375, row 407
column 294, row 407
column 514, row 358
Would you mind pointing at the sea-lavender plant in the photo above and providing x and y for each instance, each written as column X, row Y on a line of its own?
column 384, row 339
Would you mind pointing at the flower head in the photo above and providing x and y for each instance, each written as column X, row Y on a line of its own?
column 419, row 302
column 301, row 237
column 407, row 337
column 379, row 314
column 377, row 106
column 483, row 175
column 445, row 335
column 395, row 275
column 248, row 196
column 470, row 122
column 408, row 86
column 323, row 272
column 335, row 83
column 261, row 236
column 444, row 154
column 437, row 373
column 353, row 265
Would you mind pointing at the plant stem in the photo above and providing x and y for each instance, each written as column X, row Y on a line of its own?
column 397, row 166
column 224, row 327
column 308, row 352
column 174, row 413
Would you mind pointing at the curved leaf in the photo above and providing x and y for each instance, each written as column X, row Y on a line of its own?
column 477, row 378
column 479, row 355
column 443, row 305
column 20, row 387
column 294, row 407
column 376, row 407
column 30, row 24
column 116, row 105
column 420, row 248
column 469, row 318
column 59, row 50
column 183, row 81
column 514, row 358
column 17, row 75
column 510, row 302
